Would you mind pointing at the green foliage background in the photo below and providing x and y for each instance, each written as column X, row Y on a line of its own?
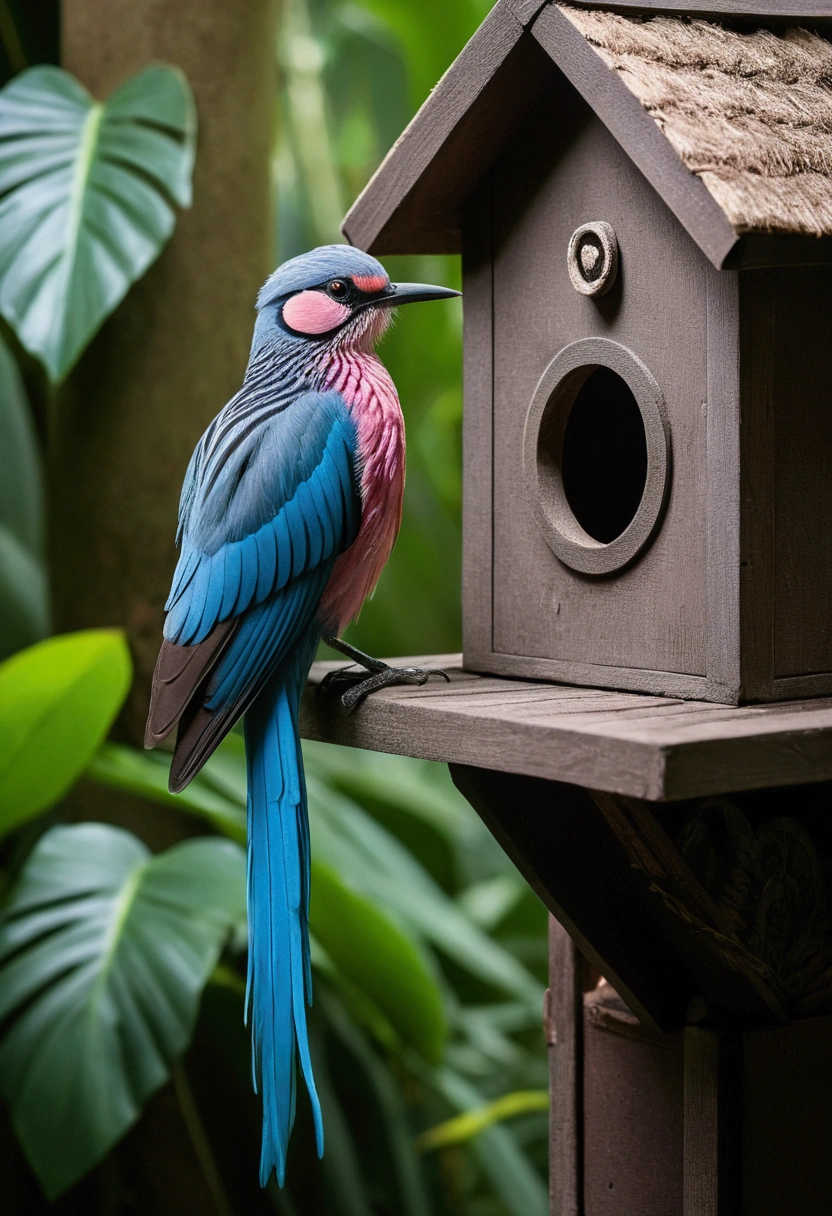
column 353, row 75
column 426, row 1030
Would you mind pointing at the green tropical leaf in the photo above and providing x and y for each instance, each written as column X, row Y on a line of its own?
column 104, row 953
column 375, row 863
column 58, row 699
column 146, row 773
column 511, row 1173
column 24, row 604
column 341, row 1165
column 367, row 949
column 87, row 199
column 466, row 1126
column 21, row 475
column 24, row 607
column 379, row 958
column 412, row 1198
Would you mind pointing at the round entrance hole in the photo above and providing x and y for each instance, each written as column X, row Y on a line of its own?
column 597, row 455
column 604, row 457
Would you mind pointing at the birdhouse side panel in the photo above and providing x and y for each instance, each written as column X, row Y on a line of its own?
column 801, row 307
column 563, row 170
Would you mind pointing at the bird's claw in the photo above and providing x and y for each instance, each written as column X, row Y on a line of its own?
column 352, row 686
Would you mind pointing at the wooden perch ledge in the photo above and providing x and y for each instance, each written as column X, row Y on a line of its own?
column 650, row 747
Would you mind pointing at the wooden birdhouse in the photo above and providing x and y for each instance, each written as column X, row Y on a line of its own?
column 644, row 209
column 643, row 204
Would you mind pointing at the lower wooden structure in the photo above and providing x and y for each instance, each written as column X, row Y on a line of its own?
column 701, row 1122
column 685, row 853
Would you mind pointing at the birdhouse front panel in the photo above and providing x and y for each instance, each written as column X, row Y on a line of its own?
column 602, row 360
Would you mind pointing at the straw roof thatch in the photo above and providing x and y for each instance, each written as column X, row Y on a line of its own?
column 749, row 113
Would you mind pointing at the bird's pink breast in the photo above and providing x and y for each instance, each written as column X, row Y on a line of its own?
column 365, row 384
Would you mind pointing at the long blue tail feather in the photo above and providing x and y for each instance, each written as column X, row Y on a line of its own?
column 279, row 978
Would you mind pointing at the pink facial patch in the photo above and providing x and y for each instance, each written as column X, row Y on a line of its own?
column 311, row 312
column 369, row 282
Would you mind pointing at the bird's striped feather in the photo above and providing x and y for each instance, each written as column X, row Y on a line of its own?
column 294, row 524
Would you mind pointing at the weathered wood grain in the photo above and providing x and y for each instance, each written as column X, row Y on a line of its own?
column 599, row 740
column 477, row 421
column 563, row 1023
column 571, row 858
column 726, row 974
column 722, row 404
column 787, row 1120
column 561, row 168
column 754, row 250
column 801, row 489
column 757, row 337
column 633, row 1113
column 526, row 10
column 712, row 1127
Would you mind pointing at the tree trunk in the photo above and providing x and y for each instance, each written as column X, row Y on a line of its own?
column 128, row 418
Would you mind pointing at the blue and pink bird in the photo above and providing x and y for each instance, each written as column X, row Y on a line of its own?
column 289, row 511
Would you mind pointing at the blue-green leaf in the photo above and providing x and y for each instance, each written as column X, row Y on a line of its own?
column 104, row 953
column 24, row 608
column 21, row 475
column 87, row 199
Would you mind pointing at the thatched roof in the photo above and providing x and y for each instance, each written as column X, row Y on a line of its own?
column 749, row 113
column 731, row 125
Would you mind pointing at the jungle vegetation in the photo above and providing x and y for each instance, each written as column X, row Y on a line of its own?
column 124, row 1062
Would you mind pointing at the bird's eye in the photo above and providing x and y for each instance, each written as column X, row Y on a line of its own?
column 338, row 289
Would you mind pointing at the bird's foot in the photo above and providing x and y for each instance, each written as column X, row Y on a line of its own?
column 353, row 686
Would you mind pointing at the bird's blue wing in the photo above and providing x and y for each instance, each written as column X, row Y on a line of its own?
column 262, row 509
column 264, row 515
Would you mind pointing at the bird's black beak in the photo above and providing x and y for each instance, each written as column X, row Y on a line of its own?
column 412, row 293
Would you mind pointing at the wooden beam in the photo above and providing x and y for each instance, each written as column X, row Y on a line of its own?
column 563, row 1020
column 563, row 848
column 526, row 10
column 712, row 1124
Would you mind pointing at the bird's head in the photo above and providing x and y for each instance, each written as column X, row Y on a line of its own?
column 333, row 293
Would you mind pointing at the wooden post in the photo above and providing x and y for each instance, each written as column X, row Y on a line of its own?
column 174, row 352
column 563, row 1020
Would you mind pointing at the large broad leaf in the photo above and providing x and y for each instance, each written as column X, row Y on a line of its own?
column 21, row 475
column 364, row 946
column 378, row 865
column 87, row 194
column 367, row 856
column 146, row 773
column 24, row 607
column 24, row 612
column 105, row 951
column 379, row 958
column 58, row 699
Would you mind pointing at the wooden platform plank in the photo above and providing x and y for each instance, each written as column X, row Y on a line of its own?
column 645, row 746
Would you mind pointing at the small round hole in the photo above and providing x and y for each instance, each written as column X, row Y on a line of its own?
column 604, row 458
column 596, row 454
column 592, row 258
